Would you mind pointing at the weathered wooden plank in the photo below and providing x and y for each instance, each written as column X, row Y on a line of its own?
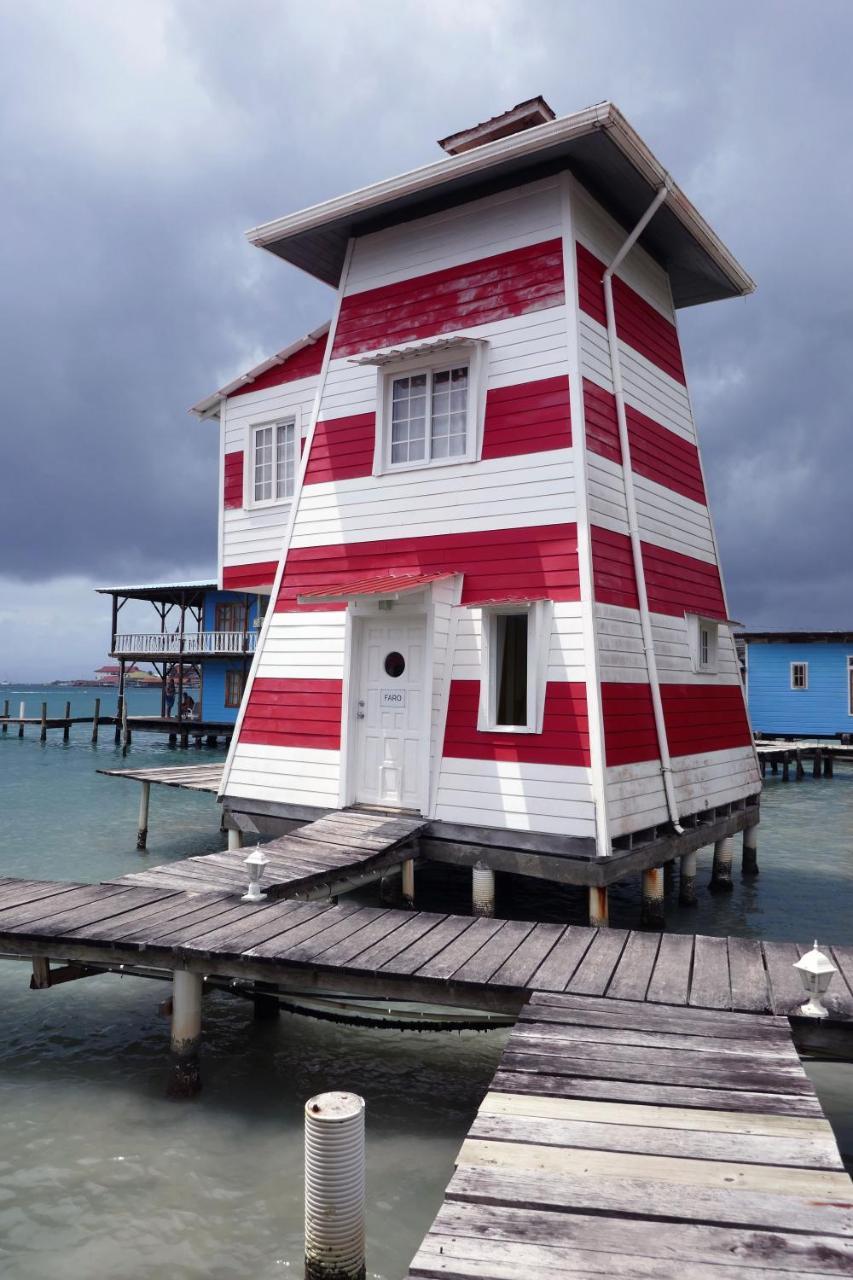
column 710, row 987
column 185, row 927
column 249, row 926
column 784, row 1251
column 459, row 951
column 21, row 919
column 721, row 1020
column 670, row 980
column 420, row 945
column 559, row 966
column 748, row 977
column 142, row 917
column 814, row 1152
column 653, row 1018
column 594, row 972
column 391, row 953
column 17, row 893
column 617, row 1037
column 503, row 944
column 314, row 947
column 202, row 907
column 516, row 1080
column 734, row 1073
column 530, row 1038
column 520, row 1104
column 634, row 969
column 650, row 1198
column 786, row 989
column 309, row 927
column 102, row 907
column 518, row 968
column 840, row 998
column 350, row 950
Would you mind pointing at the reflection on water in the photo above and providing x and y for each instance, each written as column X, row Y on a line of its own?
column 101, row 1177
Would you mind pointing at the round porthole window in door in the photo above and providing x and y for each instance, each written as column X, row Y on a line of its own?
column 395, row 665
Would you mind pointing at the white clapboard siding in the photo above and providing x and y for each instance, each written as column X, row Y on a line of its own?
column 622, row 658
column 444, row 626
column 253, row 407
column 604, row 237
column 646, row 387
column 479, row 229
column 458, row 498
column 519, row 797
column 635, row 795
column 565, row 644
column 304, row 646
column 287, row 775
column 665, row 518
column 250, row 537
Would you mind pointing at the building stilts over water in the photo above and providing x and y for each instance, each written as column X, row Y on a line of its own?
column 476, row 501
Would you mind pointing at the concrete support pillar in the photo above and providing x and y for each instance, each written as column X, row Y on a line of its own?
column 235, row 839
column 652, row 913
column 334, row 1187
column 687, row 880
column 669, row 876
column 482, row 890
column 721, row 872
column 142, row 828
column 749, row 858
column 409, row 883
column 599, row 916
column 186, row 1034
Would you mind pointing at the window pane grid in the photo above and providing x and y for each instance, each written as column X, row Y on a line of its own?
column 274, row 462
column 438, row 398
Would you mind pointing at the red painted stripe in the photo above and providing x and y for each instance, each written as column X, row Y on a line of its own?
column 342, row 449
column 294, row 713
column 656, row 452
column 675, row 583
column 564, row 738
column 698, row 717
column 527, row 418
column 638, row 324
column 498, row 564
column 233, row 479
column 304, row 363
column 243, row 577
column 494, row 288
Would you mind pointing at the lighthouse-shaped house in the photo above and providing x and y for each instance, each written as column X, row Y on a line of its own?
column 476, row 503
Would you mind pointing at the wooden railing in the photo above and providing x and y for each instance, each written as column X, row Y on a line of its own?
column 191, row 644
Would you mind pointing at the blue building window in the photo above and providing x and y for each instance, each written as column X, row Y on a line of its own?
column 799, row 675
column 234, row 684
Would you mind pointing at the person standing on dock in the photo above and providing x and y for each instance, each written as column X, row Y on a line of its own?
column 170, row 695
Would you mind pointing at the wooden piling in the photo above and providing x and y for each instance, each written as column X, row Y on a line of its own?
column 786, row 766
column 817, row 763
column 800, row 771
column 599, row 916
column 142, row 828
column 43, row 732
column 827, row 765
column 652, row 912
column 409, row 883
column 687, row 880
column 721, row 872
column 749, row 854
column 185, row 1079
column 6, row 715
column 22, row 711
column 125, row 727
column 66, row 728
column 95, row 720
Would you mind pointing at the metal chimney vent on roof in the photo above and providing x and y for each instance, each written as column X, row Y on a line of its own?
column 526, row 115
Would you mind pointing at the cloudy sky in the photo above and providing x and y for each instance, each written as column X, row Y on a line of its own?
column 140, row 138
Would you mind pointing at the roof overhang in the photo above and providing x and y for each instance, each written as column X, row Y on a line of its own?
column 209, row 406
column 597, row 145
column 415, row 350
column 378, row 586
column 188, row 593
column 797, row 637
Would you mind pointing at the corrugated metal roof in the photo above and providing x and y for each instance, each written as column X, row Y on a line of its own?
column 377, row 584
column 159, row 586
column 388, row 355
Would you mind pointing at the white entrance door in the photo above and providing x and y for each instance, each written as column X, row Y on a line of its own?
column 390, row 736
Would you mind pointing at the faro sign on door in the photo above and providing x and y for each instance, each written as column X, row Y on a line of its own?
column 393, row 698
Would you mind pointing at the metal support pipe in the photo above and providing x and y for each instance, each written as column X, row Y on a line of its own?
column 186, row 1033
column 235, row 839
column 599, row 915
column 721, row 871
column 687, row 880
column 142, row 827
column 482, row 890
column 22, row 711
column 749, row 855
column 334, row 1187
column 631, row 506
column 652, row 913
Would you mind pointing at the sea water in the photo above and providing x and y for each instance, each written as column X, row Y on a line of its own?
column 101, row 1177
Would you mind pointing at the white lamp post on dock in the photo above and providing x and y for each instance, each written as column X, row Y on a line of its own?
column 816, row 972
column 256, row 862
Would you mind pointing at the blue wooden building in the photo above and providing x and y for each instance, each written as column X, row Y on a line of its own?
column 800, row 683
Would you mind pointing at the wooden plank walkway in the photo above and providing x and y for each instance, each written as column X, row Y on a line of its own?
column 319, row 858
column 184, row 922
column 193, row 777
column 664, row 1142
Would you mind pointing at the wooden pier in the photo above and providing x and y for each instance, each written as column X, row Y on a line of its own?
column 43, row 721
column 791, row 757
column 626, row 1140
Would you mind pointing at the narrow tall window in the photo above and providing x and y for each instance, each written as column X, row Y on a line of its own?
column 229, row 617
column 799, row 675
column 511, row 668
column 273, row 462
column 429, row 416
column 234, row 684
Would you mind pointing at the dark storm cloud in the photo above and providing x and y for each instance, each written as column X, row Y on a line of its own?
column 140, row 140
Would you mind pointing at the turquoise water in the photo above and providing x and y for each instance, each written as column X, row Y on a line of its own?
column 101, row 1177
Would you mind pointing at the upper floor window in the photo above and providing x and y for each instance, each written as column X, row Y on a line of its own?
column 704, row 643
column 273, row 462
column 799, row 675
column 229, row 617
column 429, row 408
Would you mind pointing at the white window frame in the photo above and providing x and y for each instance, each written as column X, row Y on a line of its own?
column 469, row 354
column 538, row 613
column 799, row 688
column 283, row 420
column 705, row 658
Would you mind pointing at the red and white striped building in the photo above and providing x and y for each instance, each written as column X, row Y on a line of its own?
column 480, row 513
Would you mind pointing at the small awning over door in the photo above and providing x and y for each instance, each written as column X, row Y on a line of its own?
column 390, row 586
